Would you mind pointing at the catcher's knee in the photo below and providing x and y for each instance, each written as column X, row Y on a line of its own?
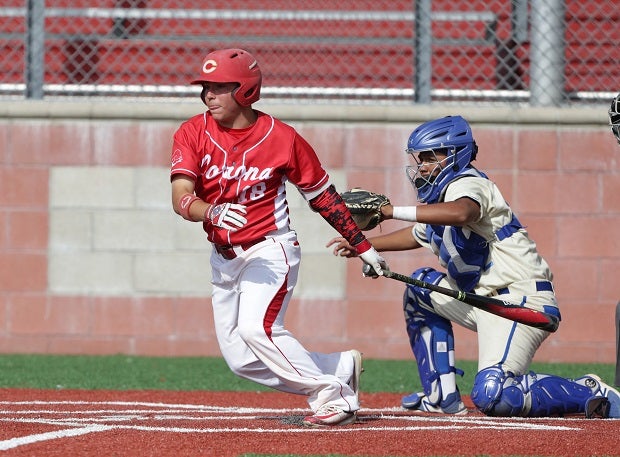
column 496, row 394
column 416, row 296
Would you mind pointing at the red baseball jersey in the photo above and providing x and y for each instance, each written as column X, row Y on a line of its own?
column 247, row 166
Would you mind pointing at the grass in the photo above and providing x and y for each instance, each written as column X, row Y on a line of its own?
column 121, row 372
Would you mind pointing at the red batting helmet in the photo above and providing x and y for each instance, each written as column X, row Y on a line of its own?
column 233, row 65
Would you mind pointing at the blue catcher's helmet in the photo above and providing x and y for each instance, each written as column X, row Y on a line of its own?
column 452, row 139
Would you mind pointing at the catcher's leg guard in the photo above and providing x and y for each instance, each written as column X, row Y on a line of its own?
column 432, row 342
column 497, row 393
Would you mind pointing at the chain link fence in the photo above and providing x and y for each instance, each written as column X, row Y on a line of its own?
column 539, row 52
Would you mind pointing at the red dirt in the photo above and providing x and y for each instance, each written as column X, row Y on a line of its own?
column 229, row 424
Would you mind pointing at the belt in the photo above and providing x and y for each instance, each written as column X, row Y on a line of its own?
column 229, row 251
column 540, row 287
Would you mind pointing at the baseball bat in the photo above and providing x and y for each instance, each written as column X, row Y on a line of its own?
column 516, row 313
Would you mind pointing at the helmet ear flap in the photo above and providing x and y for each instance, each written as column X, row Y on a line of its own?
column 243, row 97
column 474, row 151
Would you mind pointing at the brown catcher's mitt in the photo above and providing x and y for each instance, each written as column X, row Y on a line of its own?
column 365, row 207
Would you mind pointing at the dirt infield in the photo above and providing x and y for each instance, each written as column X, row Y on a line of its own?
column 229, row 424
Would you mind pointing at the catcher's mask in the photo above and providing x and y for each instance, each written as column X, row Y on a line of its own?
column 442, row 148
column 614, row 117
column 233, row 66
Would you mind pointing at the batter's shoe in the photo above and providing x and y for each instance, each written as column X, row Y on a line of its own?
column 354, row 382
column 330, row 415
column 611, row 394
column 418, row 402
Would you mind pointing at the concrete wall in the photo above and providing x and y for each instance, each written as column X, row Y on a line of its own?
column 94, row 261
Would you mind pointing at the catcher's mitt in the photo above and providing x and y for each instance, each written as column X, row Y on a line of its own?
column 365, row 207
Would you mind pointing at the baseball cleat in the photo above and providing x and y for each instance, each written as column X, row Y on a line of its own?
column 418, row 402
column 612, row 395
column 330, row 415
column 597, row 408
column 354, row 382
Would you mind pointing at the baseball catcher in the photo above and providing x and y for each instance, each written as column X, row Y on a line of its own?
column 481, row 246
column 365, row 207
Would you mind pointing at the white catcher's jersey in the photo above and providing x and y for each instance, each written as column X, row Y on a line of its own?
column 514, row 259
column 513, row 263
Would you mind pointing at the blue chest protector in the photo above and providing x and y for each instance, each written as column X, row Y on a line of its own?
column 465, row 253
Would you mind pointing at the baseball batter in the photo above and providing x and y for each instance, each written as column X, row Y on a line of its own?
column 229, row 169
column 484, row 249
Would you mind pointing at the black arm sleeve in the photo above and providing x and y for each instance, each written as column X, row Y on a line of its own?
column 331, row 206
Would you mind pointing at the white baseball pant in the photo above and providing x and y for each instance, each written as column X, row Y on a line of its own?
column 251, row 294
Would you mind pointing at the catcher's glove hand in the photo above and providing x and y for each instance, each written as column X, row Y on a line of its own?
column 365, row 207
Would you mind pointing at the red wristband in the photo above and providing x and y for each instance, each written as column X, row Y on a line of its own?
column 363, row 246
column 185, row 202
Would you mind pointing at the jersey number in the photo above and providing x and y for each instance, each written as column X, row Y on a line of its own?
column 253, row 192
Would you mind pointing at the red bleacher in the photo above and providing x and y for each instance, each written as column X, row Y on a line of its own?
column 314, row 53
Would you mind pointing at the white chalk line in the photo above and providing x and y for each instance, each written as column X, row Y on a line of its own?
column 31, row 439
column 84, row 421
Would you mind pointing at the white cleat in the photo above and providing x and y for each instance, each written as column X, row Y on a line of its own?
column 328, row 415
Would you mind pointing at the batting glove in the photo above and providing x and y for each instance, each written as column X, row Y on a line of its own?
column 374, row 263
column 229, row 216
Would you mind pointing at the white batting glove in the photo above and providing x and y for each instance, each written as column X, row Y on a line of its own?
column 374, row 263
column 229, row 216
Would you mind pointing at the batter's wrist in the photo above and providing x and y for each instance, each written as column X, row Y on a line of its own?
column 362, row 247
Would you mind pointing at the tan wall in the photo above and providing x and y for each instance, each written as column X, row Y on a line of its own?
column 93, row 261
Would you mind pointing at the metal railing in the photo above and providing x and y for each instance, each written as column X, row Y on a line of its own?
column 397, row 51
